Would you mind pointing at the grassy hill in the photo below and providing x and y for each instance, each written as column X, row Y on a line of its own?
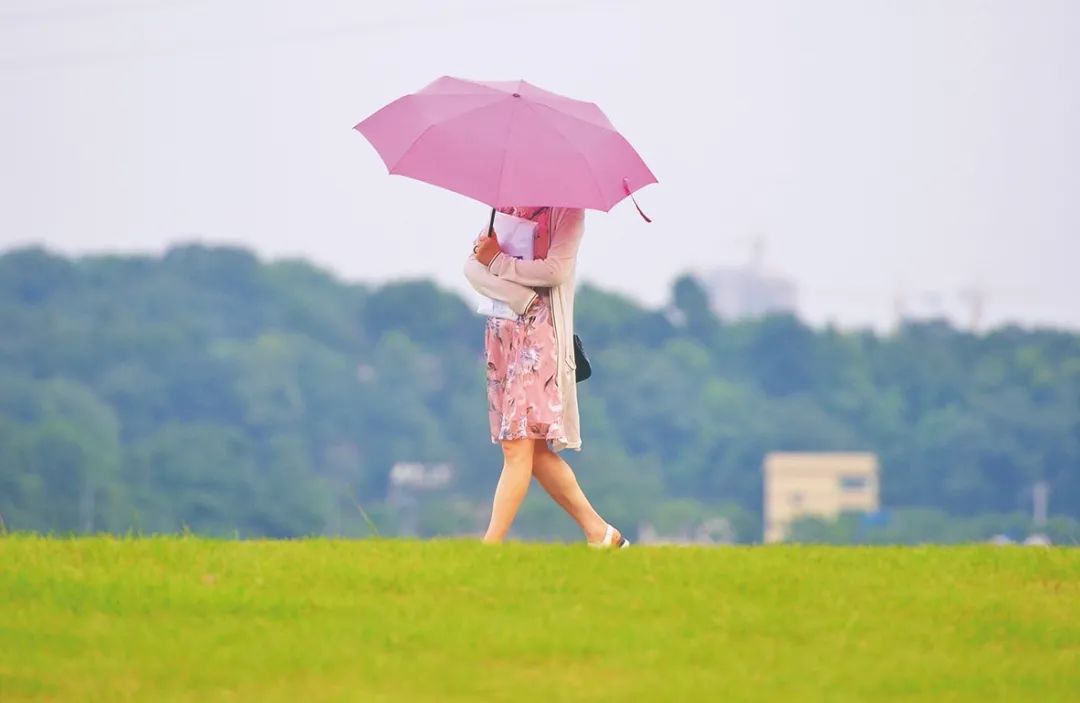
column 188, row 619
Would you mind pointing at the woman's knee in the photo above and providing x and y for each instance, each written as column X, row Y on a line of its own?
column 517, row 450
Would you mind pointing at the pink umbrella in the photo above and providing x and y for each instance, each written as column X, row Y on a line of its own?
column 506, row 144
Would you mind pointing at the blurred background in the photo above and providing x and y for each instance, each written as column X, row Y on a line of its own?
column 855, row 318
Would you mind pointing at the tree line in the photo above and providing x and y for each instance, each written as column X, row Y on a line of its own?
column 206, row 390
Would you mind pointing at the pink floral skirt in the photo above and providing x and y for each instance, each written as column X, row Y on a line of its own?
column 522, row 376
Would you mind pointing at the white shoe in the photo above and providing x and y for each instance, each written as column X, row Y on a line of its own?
column 613, row 539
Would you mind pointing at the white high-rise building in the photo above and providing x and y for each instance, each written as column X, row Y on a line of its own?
column 738, row 293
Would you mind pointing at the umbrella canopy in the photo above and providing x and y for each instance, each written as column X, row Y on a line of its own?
column 506, row 144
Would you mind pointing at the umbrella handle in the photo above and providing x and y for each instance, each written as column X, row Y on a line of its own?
column 491, row 224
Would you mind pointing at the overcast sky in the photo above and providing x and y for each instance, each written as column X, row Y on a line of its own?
column 884, row 151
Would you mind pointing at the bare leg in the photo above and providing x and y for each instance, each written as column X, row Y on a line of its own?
column 558, row 479
column 513, row 485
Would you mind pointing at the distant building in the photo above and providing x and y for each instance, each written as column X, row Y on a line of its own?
column 410, row 482
column 739, row 293
column 418, row 476
column 817, row 485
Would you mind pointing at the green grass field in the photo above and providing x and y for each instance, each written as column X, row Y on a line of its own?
column 186, row 619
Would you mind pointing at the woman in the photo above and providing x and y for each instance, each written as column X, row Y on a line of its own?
column 532, row 396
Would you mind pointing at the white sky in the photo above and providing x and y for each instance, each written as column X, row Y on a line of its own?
column 880, row 148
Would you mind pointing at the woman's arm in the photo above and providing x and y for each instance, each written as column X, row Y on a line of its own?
column 484, row 282
column 558, row 266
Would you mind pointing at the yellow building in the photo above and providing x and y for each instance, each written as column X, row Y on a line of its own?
column 816, row 484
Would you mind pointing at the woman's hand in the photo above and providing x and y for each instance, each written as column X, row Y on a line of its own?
column 486, row 249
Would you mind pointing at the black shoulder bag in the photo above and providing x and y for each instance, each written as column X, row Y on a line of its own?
column 584, row 368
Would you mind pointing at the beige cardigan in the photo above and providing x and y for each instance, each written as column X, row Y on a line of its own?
column 512, row 281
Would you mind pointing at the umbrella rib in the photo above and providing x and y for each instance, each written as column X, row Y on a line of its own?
column 596, row 183
column 608, row 127
column 502, row 166
column 537, row 101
